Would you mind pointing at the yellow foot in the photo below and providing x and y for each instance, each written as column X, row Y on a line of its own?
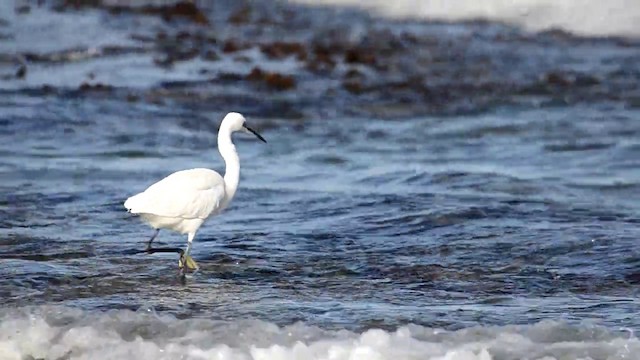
column 188, row 262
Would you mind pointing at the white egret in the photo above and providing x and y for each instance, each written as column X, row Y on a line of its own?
column 184, row 200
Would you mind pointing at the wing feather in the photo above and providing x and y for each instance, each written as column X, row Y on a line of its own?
column 187, row 194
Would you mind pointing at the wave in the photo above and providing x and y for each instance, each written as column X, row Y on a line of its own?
column 55, row 332
column 581, row 17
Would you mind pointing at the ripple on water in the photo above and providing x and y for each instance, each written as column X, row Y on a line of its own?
column 578, row 146
column 327, row 159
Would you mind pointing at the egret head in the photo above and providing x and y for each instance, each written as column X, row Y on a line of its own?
column 236, row 122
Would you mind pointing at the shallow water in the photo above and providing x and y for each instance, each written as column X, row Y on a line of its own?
column 496, row 222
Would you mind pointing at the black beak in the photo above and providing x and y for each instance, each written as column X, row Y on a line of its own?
column 255, row 133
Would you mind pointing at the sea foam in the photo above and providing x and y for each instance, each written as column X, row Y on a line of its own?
column 66, row 333
column 582, row 17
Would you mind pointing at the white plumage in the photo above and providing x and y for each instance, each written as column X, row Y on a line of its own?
column 186, row 194
column 182, row 201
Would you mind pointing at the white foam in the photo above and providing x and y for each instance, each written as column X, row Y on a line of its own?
column 56, row 332
column 582, row 17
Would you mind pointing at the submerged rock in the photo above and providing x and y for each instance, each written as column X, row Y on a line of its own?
column 272, row 80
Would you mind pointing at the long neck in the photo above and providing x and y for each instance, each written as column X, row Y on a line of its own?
column 232, row 162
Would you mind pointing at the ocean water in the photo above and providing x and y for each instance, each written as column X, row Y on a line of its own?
column 429, row 189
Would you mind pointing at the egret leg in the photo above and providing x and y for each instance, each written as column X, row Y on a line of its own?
column 153, row 238
column 152, row 250
column 185, row 258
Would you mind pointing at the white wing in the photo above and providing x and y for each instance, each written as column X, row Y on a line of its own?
column 187, row 194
